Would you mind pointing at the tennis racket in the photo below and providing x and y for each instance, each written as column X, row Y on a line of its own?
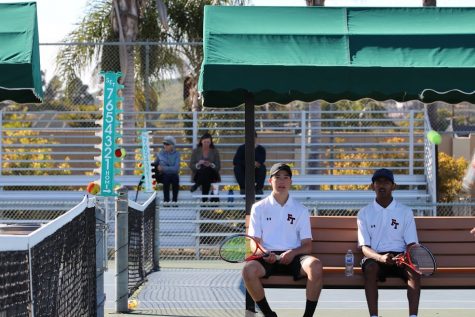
column 418, row 258
column 241, row 248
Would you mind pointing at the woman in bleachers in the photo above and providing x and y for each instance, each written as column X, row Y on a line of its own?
column 205, row 165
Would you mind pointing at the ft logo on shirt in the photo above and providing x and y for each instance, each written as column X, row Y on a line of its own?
column 394, row 223
column 290, row 219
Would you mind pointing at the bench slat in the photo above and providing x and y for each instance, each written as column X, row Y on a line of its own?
column 445, row 236
column 332, row 222
column 451, row 223
column 437, row 248
column 467, row 260
column 349, row 222
column 337, row 259
column 442, row 248
column 334, row 247
column 337, row 279
column 321, row 234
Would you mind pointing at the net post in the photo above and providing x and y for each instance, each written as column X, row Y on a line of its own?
column 156, row 240
column 100, row 256
column 122, row 249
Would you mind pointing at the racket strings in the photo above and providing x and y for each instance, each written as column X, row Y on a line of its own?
column 235, row 249
column 422, row 260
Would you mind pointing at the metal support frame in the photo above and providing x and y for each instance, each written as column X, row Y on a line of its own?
column 122, row 250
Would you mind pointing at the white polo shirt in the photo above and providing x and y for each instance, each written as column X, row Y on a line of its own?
column 386, row 229
column 279, row 227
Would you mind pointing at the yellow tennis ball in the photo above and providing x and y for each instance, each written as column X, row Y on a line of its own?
column 93, row 188
column 434, row 137
column 133, row 303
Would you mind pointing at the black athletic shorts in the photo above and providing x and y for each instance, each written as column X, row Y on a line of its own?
column 292, row 269
column 386, row 270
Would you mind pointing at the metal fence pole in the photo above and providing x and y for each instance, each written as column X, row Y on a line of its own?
column 147, row 84
column 122, row 250
column 156, row 241
column 195, row 129
column 197, row 233
column 100, row 255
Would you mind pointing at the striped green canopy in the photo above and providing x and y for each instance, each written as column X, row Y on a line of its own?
column 281, row 54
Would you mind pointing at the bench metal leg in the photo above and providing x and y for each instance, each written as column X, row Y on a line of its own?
column 250, row 304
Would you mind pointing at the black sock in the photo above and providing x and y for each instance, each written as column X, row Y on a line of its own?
column 264, row 307
column 310, row 307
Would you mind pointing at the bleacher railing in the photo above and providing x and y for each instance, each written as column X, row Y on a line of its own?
column 339, row 141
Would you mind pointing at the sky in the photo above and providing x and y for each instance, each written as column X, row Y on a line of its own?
column 56, row 18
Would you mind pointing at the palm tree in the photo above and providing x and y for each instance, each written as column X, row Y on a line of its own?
column 127, row 21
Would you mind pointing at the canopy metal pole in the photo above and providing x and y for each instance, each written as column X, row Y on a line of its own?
column 249, row 125
column 411, row 142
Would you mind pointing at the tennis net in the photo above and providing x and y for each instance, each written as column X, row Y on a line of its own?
column 52, row 270
column 141, row 241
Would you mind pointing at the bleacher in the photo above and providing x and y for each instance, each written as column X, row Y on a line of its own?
column 331, row 160
column 414, row 187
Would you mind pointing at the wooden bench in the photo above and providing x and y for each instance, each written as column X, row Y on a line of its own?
column 448, row 238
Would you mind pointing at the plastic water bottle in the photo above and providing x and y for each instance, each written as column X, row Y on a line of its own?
column 349, row 263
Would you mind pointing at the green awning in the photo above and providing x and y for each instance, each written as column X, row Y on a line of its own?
column 20, row 75
column 282, row 54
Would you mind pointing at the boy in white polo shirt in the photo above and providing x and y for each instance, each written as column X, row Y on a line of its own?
column 281, row 225
column 385, row 229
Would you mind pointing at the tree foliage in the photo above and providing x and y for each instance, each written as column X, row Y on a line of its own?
column 451, row 172
column 33, row 160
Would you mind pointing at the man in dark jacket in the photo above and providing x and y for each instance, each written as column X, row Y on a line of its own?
column 239, row 162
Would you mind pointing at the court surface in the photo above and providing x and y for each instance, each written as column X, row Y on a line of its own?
column 215, row 289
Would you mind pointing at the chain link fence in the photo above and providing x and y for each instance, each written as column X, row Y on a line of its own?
column 57, row 143
column 57, row 136
column 450, row 119
column 191, row 230
column 24, row 211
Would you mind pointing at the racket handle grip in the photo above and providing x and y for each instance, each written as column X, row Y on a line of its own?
column 277, row 257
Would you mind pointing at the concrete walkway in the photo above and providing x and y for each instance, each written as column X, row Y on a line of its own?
column 215, row 289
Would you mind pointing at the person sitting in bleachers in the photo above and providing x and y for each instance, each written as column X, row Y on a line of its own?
column 167, row 167
column 205, row 165
column 239, row 163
